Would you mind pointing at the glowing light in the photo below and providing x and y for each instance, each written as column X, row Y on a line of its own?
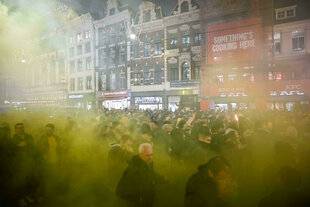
column 236, row 117
column 23, row 61
column 132, row 36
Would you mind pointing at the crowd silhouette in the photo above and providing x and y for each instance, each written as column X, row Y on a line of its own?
column 70, row 157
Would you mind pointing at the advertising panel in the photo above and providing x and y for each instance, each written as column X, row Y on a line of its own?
column 281, row 88
column 233, row 42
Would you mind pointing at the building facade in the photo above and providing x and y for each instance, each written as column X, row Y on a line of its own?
column 45, row 72
column 165, row 56
column 112, row 55
column 291, row 61
column 80, row 50
column 237, row 54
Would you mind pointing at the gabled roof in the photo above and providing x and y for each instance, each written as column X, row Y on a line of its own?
column 193, row 2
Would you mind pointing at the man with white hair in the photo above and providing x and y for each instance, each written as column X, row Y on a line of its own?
column 137, row 184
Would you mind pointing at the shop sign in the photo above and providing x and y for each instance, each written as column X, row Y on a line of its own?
column 119, row 93
column 147, row 100
column 290, row 90
column 76, row 96
column 232, row 92
column 237, row 41
column 268, row 88
column 182, row 84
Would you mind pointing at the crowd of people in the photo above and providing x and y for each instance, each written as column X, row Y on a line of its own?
column 55, row 157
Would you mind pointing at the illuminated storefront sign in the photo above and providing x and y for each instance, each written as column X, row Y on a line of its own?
column 232, row 92
column 146, row 100
column 290, row 90
column 76, row 96
column 119, row 93
column 236, row 41
column 268, row 88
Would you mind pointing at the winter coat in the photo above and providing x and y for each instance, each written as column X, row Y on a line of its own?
column 137, row 184
column 201, row 191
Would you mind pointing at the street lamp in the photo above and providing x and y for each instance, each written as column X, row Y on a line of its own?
column 133, row 36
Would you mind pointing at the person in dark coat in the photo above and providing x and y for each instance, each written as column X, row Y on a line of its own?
column 20, row 138
column 118, row 156
column 137, row 185
column 211, row 186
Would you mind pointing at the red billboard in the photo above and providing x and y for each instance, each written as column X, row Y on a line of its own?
column 233, row 42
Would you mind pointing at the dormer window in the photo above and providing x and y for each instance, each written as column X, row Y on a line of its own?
column 147, row 16
column 112, row 11
column 285, row 13
column 184, row 7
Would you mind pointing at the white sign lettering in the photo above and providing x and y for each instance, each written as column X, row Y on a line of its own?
column 230, row 42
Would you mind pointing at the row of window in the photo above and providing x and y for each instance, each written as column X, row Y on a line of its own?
column 79, row 50
column 110, row 83
column 157, row 44
column 147, row 47
column 80, row 84
column 80, row 65
column 80, row 37
column 251, row 77
column 285, row 13
column 147, row 76
column 186, row 72
column 298, row 41
column 185, row 40
column 111, row 56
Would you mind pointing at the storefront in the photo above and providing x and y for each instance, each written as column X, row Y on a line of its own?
column 82, row 100
column 153, row 100
column 274, row 95
column 180, row 99
column 149, row 103
column 114, row 100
